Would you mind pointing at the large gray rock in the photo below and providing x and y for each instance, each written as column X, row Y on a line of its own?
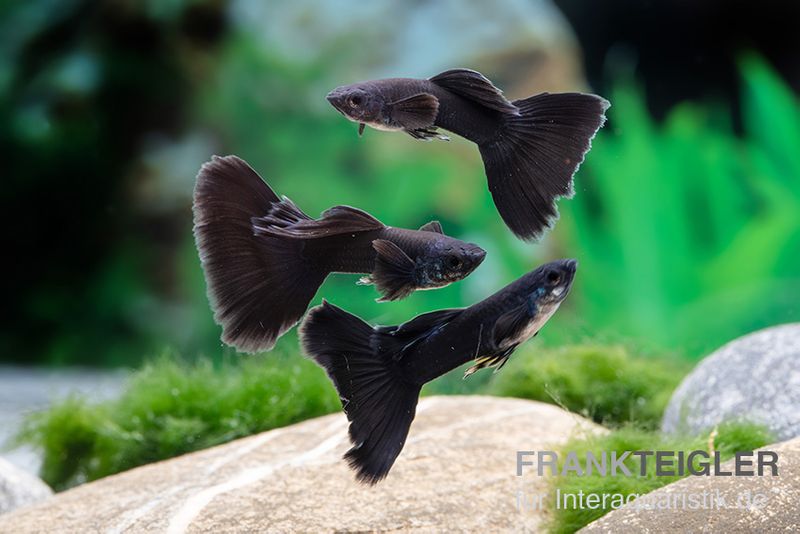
column 754, row 378
column 19, row 488
column 777, row 511
column 457, row 472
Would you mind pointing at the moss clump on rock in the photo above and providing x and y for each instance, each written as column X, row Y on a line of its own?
column 604, row 383
column 727, row 439
column 170, row 408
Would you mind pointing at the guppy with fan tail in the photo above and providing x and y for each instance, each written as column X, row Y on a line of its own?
column 379, row 371
column 264, row 259
column 531, row 147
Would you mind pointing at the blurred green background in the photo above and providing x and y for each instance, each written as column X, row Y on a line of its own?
column 685, row 219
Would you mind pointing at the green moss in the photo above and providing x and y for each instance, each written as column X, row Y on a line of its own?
column 170, row 408
column 730, row 438
column 606, row 384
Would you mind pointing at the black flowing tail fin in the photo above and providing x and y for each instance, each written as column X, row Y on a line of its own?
column 379, row 404
column 531, row 164
column 259, row 286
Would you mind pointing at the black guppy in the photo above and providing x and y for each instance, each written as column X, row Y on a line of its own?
column 379, row 371
column 264, row 259
column 531, row 147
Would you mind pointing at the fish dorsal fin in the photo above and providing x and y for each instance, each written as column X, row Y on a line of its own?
column 408, row 334
column 474, row 86
column 416, row 111
column 354, row 219
column 433, row 226
column 281, row 214
column 511, row 324
column 393, row 274
column 427, row 321
column 334, row 221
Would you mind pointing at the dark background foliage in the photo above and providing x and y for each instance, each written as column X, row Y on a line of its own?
column 97, row 98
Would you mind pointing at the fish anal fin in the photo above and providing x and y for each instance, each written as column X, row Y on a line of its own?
column 474, row 86
column 426, row 134
column 493, row 360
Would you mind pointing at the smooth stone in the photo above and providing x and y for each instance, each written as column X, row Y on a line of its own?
column 19, row 488
column 754, row 378
column 457, row 472
column 780, row 511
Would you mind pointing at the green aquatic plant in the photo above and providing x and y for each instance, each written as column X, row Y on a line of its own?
column 604, row 383
column 686, row 232
column 728, row 439
column 170, row 408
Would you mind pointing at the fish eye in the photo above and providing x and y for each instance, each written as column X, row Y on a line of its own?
column 356, row 100
column 553, row 277
column 453, row 262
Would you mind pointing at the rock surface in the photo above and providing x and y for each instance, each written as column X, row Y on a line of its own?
column 755, row 377
column 456, row 473
column 19, row 488
column 780, row 511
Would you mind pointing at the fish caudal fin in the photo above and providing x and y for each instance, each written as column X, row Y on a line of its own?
column 259, row 286
column 379, row 404
column 531, row 164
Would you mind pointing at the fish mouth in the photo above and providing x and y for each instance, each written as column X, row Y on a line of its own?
column 477, row 255
column 335, row 100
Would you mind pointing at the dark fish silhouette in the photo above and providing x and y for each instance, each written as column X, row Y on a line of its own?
column 379, row 371
column 264, row 259
column 531, row 148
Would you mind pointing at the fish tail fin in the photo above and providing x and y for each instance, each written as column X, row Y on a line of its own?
column 531, row 164
column 379, row 404
column 259, row 286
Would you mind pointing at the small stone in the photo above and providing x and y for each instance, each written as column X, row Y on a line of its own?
column 19, row 488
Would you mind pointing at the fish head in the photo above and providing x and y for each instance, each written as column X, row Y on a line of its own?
column 448, row 260
column 358, row 102
column 550, row 284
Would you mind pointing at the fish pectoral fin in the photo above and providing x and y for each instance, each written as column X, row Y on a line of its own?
column 426, row 134
column 433, row 226
column 415, row 112
column 393, row 274
column 511, row 324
